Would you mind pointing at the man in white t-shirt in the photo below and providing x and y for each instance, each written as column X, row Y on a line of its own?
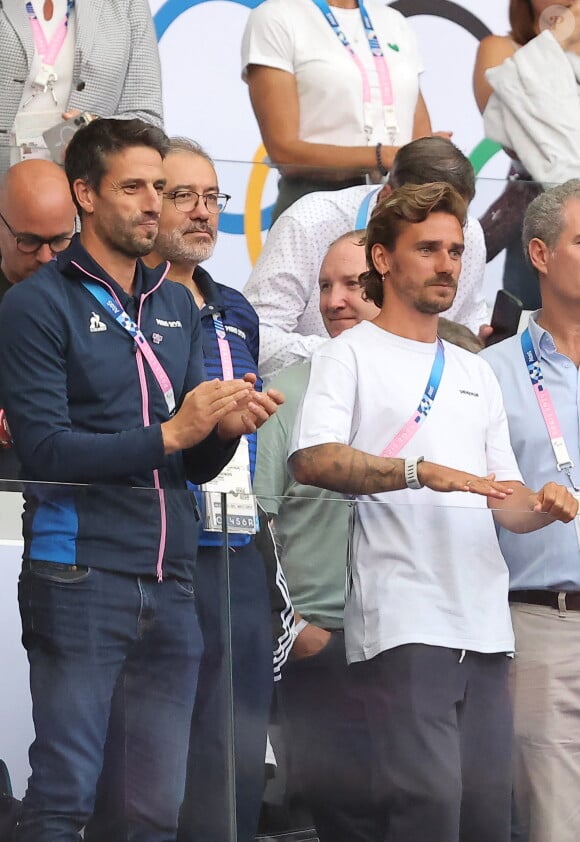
column 283, row 285
column 426, row 620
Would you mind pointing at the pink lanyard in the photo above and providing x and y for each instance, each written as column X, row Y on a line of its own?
column 223, row 348
column 48, row 50
column 409, row 429
column 381, row 66
column 547, row 408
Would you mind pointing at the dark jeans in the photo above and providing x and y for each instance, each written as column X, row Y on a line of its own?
column 204, row 816
column 328, row 744
column 96, row 642
column 442, row 739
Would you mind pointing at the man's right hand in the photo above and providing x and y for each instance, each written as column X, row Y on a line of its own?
column 441, row 478
column 311, row 640
column 201, row 410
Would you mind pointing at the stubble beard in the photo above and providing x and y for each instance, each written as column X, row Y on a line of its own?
column 173, row 247
column 430, row 306
column 125, row 240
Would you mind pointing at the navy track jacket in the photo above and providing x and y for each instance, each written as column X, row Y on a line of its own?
column 240, row 322
column 84, row 407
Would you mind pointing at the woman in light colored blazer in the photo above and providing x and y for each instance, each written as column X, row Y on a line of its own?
column 116, row 70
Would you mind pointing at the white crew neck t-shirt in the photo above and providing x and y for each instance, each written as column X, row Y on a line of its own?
column 294, row 36
column 426, row 566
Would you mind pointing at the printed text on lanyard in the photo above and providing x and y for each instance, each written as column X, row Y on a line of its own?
column 127, row 323
column 406, row 433
column 381, row 66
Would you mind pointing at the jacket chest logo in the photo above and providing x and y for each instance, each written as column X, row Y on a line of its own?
column 95, row 324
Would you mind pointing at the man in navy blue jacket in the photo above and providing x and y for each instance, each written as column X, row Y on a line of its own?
column 187, row 236
column 102, row 379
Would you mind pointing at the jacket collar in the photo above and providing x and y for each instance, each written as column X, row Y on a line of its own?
column 211, row 292
column 145, row 278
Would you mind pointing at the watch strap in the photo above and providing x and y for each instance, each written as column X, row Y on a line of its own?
column 411, row 473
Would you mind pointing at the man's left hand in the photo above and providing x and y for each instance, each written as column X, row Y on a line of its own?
column 555, row 500
column 258, row 408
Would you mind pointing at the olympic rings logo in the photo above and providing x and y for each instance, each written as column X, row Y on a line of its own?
column 256, row 219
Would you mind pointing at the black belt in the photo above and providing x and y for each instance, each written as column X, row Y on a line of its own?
column 566, row 600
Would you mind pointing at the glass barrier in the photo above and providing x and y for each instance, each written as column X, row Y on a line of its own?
column 315, row 753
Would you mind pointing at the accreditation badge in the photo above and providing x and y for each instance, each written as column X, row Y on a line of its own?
column 235, row 481
column 26, row 138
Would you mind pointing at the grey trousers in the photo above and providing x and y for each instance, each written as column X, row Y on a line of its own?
column 545, row 688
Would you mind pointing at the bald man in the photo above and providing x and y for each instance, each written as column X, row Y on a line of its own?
column 37, row 219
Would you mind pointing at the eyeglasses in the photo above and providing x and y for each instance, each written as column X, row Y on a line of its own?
column 31, row 243
column 187, row 200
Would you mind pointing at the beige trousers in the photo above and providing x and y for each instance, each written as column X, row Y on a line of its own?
column 545, row 689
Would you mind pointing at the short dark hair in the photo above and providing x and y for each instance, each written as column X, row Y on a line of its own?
column 430, row 159
column 86, row 155
column 406, row 205
column 522, row 21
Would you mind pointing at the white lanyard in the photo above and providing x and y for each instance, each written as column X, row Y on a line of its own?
column 381, row 66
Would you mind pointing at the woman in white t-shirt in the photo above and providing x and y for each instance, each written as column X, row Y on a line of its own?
column 331, row 113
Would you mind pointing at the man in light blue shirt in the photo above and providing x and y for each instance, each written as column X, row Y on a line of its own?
column 545, row 565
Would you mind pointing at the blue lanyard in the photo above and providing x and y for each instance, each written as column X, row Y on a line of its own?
column 409, row 429
column 367, row 23
column 363, row 212
column 127, row 323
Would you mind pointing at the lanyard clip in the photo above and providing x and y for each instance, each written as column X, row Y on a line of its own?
column 45, row 78
column 568, row 472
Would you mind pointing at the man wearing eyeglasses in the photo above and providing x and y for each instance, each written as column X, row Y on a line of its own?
column 37, row 219
column 187, row 235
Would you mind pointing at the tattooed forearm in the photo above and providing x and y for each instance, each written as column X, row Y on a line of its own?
column 339, row 467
